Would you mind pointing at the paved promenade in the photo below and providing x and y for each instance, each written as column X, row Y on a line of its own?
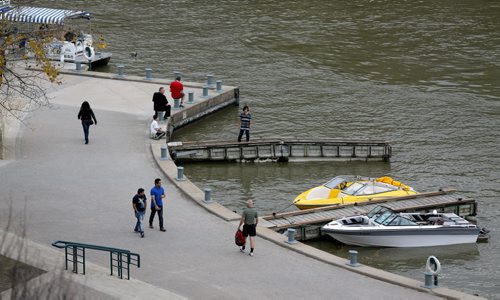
column 76, row 192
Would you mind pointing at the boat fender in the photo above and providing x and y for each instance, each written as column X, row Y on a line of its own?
column 433, row 265
column 89, row 53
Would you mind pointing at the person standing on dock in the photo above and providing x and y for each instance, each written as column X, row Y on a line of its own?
column 88, row 118
column 249, row 220
column 177, row 90
column 245, row 118
column 157, row 195
column 139, row 206
column 161, row 106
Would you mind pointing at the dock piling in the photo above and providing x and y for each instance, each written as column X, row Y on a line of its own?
column 210, row 79
column 180, row 173
column 149, row 72
column 190, row 97
column 219, row 85
column 163, row 153
column 428, row 280
column 353, row 254
column 177, row 103
column 78, row 65
column 177, row 74
column 208, row 195
column 290, row 232
column 205, row 91
column 120, row 69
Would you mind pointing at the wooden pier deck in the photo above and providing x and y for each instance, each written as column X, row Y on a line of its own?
column 285, row 149
column 308, row 222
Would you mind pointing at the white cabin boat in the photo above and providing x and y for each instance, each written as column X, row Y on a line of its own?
column 70, row 46
column 383, row 227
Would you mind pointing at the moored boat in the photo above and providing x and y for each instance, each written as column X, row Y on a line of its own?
column 68, row 44
column 383, row 227
column 345, row 189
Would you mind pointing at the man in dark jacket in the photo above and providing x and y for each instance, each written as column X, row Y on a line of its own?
column 161, row 104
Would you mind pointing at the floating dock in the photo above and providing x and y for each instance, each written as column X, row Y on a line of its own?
column 308, row 223
column 285, row 149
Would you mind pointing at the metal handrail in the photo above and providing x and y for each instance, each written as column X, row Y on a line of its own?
column 72, row 255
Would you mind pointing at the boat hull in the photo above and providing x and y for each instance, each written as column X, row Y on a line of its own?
column 404, row 237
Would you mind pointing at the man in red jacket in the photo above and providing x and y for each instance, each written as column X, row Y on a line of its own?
column 177, row 90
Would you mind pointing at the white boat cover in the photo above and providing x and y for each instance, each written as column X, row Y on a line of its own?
column 42, row 15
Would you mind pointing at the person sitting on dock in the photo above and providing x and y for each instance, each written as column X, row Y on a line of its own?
column 245, row 118
column 156, row 131
column 177, row 90
column 161, row 106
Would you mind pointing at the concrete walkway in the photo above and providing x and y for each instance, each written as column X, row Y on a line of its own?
column 82, row 193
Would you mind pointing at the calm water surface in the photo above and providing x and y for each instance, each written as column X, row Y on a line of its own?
column 423, row 75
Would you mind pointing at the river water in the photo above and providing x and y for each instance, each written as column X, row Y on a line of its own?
column 423, row 75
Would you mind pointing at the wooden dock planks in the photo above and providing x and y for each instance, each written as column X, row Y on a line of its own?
column 285, row 149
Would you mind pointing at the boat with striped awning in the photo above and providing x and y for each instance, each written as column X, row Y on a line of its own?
column 68, row 46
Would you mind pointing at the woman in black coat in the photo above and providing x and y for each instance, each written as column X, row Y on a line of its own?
column 86, row 115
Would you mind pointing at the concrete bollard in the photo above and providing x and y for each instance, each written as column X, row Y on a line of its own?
column 353, row 254
column 78, row 65
column 177, row 103
column 219, row 85
column 177, row 74
column 149, row 73
column 290, row 232
column 180, row 173
column 205, row 91
column 120, row 70
column 163, row 153
column 190, row 97
column 210, row 79
column 208, row 195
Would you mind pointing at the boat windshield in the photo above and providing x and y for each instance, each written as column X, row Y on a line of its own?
column 353, row 188
column 334, row 182
column 391, row 218
column 376, row 211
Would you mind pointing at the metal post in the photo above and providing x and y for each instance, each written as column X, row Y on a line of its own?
column 78, row 65
column 290, row 232
column 149, row 72
column 120, row 70
column 205, row 91
column 190, row 97
column 219, row 85
column 177, row 74
column 111, row 262
column 208, row 195
column 353, row 258
column 210, row 79
column 164, row 155
column 177, row 103
column 428, row 280
column 180, row 173
column 75, row 260
column 66, row 255
column 83, row 253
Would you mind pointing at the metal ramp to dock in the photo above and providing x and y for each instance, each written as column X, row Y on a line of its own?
column 286, row 149
column 308, row 222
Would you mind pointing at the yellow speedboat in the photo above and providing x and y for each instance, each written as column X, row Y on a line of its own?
column 350, row 189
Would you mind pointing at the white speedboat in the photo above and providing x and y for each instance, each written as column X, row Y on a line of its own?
column 383, row 227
